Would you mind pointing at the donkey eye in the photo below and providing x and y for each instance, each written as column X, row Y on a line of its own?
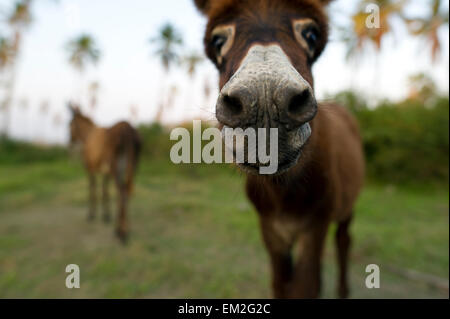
column 222, row 38
column 307, row 33
column 217, row 42
column 311, row 35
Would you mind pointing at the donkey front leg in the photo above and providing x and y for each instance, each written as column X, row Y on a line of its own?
column 307, row 272
column 343, row 241
column 122, row 223
column 279, row 250
column 92, row 197
column 105, row 199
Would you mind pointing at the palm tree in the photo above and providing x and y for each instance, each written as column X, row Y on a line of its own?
column 6, row 61
column 44, row 108
column 6, row 53
column 421, row 88
column 206, row 91
column 167, row 40
column 360, row 35
column 134, row 112
column 173, row 92
column 19, row 20
column 57, row 119
column 428, row 27
column 93, row 95
column 191, row 61
column 206, row 88
column 83, row 50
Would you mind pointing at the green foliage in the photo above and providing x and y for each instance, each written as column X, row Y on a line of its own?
column 15, row 152
column 155, row 141
column 83, row 50
column 406, row 141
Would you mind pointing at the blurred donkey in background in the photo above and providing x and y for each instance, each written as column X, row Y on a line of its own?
column 110, row 152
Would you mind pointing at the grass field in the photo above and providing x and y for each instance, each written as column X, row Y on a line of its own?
column 194, row 235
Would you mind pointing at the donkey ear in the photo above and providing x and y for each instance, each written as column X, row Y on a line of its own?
column 325, row 2
column 70, row 107
column 203, row 5
column 73, row 108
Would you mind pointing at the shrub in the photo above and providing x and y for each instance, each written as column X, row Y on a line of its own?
column 15, row 152
column 406, row 141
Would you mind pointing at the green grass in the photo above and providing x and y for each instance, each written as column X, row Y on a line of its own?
column 195, row 235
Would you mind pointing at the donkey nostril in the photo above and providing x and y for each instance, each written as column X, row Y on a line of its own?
column 299, row 102
column 301, row 107
column 232, row 105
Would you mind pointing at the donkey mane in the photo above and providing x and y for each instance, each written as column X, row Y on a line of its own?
column 81, row 117
column 217, row 7
column 84, row 124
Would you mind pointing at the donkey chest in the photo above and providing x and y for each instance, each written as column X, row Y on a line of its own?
column 96, row 153
column 288, row 227
column 288, row 213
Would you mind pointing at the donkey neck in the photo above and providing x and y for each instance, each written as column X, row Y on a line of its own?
column 298, row 178
column 86, row 128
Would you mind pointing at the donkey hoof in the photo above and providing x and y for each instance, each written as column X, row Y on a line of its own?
column 122, row 235
column 343, row 292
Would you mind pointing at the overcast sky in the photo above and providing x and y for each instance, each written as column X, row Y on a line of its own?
column 130, row 74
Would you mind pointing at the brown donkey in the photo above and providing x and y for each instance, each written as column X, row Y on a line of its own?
column 264, row 51
column 110, row 152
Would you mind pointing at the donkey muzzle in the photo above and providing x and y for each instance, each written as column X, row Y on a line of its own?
column 268, row 92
